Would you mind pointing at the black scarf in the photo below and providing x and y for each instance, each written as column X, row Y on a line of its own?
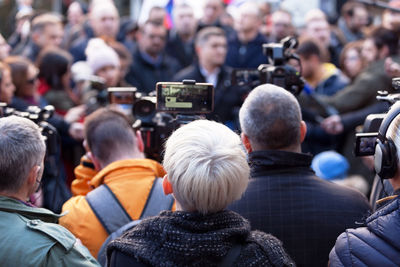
column 192, row 239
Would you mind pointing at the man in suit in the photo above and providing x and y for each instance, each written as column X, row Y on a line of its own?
column 211, row 49
column 284, row 197
column 180, row 43
column 150, row 62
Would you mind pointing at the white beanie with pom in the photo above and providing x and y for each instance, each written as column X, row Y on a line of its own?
column 99, row 55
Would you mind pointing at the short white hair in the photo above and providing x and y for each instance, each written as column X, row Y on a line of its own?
column 206, row 166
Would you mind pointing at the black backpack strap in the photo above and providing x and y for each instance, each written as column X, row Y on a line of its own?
column 231, row 256
column 107, row 208
column 157, row 200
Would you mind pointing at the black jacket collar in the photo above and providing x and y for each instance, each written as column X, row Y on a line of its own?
column 273, row 160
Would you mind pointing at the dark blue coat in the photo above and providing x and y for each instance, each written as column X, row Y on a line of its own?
column 378, row 244
column 286, row 199
column 248, row 55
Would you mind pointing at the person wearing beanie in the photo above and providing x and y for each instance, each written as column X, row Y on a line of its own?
column 332, row 166
column 103, row 61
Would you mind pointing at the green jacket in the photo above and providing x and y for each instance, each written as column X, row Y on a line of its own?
column 363, row 91
column 30, row 237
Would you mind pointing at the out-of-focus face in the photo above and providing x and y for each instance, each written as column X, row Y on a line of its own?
column 213, row 51
column 369, row 51
column 152, row 39
column 359, row 19
column 52, row 35
column 185, row 22
column 248, row 21
column 352, row 63
column 7, row 87
column 105, row 21
column 4, row 48
column 319, row 29
column 110, row 74
column 124, row 68
column 391, row 20
column 281, row 25
column 309, row 65
column 75, row 14
column 157, row 14
column 30, row 87
column 212, row 10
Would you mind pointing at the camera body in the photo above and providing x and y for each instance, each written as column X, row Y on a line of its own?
column 277, row 71
column 157, row 116
column 40, row 117
column 365, row 142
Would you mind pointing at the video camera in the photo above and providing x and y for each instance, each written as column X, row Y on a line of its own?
column 40, row 117
column 157, row 116
column 277, row 72
column 366, row 141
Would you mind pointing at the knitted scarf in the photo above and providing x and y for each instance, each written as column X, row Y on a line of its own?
column 192, row 239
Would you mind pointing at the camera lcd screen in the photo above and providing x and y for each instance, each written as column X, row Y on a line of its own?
column 365, row 144
column 123, row 97
column 185, row 98
column 242, row 77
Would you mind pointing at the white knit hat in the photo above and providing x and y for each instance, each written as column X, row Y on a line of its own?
column 99, row 54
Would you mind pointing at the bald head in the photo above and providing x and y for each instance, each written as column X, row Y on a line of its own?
column 104, row 19
column 270, row 117
column 248, row 22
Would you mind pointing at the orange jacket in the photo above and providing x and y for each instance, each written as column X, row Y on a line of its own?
column 130, row 180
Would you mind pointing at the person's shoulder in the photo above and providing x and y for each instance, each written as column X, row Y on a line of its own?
column 190, row 72
column 64, row 248
column 73, row 210
column 54, row 232
column 361, row 245
column 260, row 243
column 341, row 193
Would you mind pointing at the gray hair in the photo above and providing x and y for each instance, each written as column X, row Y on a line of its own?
column 21, row 147
column 206, row 166
column 270, row 117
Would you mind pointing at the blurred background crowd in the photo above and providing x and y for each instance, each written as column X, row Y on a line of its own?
column 64, row 53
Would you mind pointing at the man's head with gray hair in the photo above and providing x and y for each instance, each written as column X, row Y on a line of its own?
column 22, row 148
column 270, row 119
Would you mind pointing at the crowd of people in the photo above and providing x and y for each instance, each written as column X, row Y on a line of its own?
column 267, row 179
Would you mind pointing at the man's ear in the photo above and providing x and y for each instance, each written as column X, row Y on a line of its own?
column 303, row 131
column 197, row 48
column 384, row 52
column 246, row 142
column 139, row 141
column 138, row 35
column 35, row 37
column 33, row 173
column 85, row 145
column 95, row 160
column 167, row 186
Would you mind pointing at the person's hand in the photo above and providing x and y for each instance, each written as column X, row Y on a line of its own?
column 333, row 125
column 392, row 68
column 76, row 131
column 75, row 113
